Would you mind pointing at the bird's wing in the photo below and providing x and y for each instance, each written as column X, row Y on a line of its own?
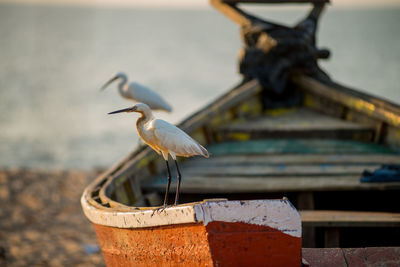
column 145, row 95
column 175, row 140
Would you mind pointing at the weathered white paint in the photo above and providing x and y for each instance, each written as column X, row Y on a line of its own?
column 278, row 214
column 139, row 218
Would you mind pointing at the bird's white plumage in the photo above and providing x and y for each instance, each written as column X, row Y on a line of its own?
column 165, row 139
column 139, row 93
column 172, row 139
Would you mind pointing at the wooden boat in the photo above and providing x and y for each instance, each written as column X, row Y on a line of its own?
column 309, row 142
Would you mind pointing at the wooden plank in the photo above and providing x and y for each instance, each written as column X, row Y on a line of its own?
column 242, row 184
column 345, row 134
column 298, row 119
column 290, row 159
column 279, row 170
column 353, row 257
column 300, row 146
column 367, row 104
column 299, row 123
column 335, row 218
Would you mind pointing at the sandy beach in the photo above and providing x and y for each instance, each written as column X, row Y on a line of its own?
column 41, row 221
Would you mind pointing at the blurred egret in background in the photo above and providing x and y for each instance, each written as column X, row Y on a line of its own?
column 138, row 93
column 165, row 139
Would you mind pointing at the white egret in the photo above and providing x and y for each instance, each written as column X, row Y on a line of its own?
column 165, row 139
column 139, row 93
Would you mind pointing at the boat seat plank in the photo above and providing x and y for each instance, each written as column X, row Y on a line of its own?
column 297, row 119
column 298, row 123
column 246, row 184
column 297, row 146
column 335, row 218
column 294, row 165
column 279, row 170
column 291, row 159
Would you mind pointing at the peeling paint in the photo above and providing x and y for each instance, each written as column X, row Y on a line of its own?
column 143, row 162
column 279, row 111
column 274, row 213
column 309, row 100
column 239, row 136
column 278, row 214
column 245, row 107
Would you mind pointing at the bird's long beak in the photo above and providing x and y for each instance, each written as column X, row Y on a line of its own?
column 108, row 83
column 131, row 109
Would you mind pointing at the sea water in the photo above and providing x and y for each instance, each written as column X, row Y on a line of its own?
column 53, row 60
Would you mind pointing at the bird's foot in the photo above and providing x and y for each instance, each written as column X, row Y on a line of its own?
column 160, row 209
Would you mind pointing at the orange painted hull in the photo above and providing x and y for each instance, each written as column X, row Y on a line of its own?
column 195, row 244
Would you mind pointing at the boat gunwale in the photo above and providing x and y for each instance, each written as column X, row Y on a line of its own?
column 204, row 212
column 372, row 106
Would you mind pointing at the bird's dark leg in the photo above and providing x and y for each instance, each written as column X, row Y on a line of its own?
column 168, row 184
column 178, row 185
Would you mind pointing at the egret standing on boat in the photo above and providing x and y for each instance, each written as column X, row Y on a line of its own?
column 165, row 139
column 139, row 93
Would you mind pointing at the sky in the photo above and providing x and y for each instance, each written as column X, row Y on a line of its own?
column 187, row 3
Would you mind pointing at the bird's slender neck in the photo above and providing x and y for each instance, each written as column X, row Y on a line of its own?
column 145, row 117
column 121, row 85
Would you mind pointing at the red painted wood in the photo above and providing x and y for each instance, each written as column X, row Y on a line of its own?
column 185, row 245
column 241, row 244
column 217, row 244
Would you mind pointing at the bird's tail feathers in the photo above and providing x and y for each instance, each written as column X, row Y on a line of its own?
column 168, row 108
column 204, row 152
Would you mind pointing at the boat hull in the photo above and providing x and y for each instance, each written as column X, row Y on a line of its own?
column 221, row 234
